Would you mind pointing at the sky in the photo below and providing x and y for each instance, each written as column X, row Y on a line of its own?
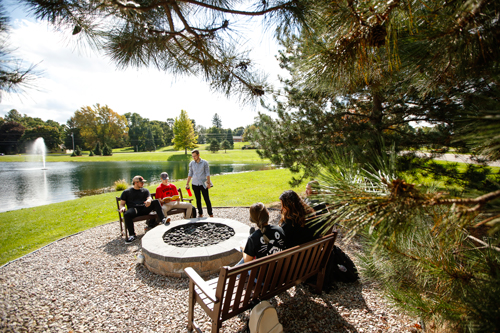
column 74, row 77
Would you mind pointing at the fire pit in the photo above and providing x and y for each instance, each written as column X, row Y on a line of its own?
column 205, row 244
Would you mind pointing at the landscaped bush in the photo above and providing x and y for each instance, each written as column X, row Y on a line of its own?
column 107, row 151
column 121, row 185
column 97, row 149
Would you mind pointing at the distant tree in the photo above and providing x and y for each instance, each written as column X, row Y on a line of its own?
column 229, row 138
column 10, row 134
column 238, row 131
column 150, row 140
column 216, row 121
column 100, row 124
column 225, row 145
column 215, row 133
column 50, row 135
column 107, row 151
column 14, row 115
column 157, row 128
column 214, row 146
column 97, row 149
column 184, row 136
column 247, row 135
column 201, row 131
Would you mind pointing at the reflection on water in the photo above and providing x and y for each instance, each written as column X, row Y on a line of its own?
column 25, row 185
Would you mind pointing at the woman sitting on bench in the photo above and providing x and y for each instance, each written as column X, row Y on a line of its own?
column 266, row 240
column 293, row 219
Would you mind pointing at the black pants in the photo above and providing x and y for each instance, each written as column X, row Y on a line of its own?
column 138, row 211
column 198, row 190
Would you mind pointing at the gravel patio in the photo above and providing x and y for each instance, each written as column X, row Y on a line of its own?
column 90, row 282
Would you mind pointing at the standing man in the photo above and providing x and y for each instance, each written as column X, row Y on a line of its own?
column 165, row 191
column 139, row 202
column 199, row 171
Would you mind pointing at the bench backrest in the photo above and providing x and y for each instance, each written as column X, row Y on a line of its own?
column 268, row 276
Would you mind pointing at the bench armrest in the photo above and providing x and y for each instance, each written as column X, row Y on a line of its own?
column 200, row 283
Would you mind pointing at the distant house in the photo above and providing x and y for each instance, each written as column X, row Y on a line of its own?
column 237, row 139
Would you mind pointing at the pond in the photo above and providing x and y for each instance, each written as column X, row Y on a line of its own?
column 26, row 184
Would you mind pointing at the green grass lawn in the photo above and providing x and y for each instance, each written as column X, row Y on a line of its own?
column 26, row 230
column 126, row 154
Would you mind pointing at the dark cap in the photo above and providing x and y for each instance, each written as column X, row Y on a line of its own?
column 164, row 175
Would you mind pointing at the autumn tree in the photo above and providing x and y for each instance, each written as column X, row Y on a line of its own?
column 184, row 136
column 99, row 124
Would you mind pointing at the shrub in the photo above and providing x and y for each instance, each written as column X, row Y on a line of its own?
column 97, row 149
column 121, row 185
column 106, row 151
column 91, row 153
column 78, row 151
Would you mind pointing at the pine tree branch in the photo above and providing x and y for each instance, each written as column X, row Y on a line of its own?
column 484, row 243
column 479, row 201
column 141, row 8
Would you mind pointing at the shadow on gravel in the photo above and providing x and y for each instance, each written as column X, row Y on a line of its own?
column 117, row 246
column 305, row 309
column 159, row 281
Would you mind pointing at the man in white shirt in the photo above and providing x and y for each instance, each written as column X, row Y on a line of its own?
column 199, row 172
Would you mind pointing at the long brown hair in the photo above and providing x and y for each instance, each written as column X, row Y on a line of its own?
column 260, row 216
column 293, row 208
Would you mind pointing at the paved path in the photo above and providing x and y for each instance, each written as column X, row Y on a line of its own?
column 459, row 158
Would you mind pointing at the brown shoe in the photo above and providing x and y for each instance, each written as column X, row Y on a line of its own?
column 200, row 215
column 211, row 215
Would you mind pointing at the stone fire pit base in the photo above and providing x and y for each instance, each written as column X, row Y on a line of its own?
column 164, row 259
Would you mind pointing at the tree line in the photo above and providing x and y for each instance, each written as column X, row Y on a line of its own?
column 96, row 127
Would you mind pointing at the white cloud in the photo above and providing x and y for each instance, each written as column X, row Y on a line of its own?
column 74, row 78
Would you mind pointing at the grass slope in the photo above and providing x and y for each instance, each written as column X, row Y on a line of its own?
column 26, row 230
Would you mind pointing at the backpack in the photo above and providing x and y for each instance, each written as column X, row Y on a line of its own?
column 339, row 268
column 264, row 319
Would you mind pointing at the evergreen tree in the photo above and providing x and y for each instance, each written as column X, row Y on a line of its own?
column 216, row 121
column 225, row 145
column 150, row 141
column 107, row 151
column 230, row 138
column 91, row 153
column 78, row 151
column 97, row 150
column 214, row 146
column 184, row 136
column 436, row 255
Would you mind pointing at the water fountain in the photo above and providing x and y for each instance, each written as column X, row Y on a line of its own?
column 40, row 149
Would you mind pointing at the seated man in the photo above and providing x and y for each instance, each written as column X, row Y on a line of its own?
column 165, row 191
column 139, row 202
column 311, row 191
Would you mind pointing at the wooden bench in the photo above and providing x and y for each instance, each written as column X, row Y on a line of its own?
column 153, row 214
column 238, row 288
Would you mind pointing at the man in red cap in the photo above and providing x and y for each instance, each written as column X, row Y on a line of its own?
column 168, row 196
